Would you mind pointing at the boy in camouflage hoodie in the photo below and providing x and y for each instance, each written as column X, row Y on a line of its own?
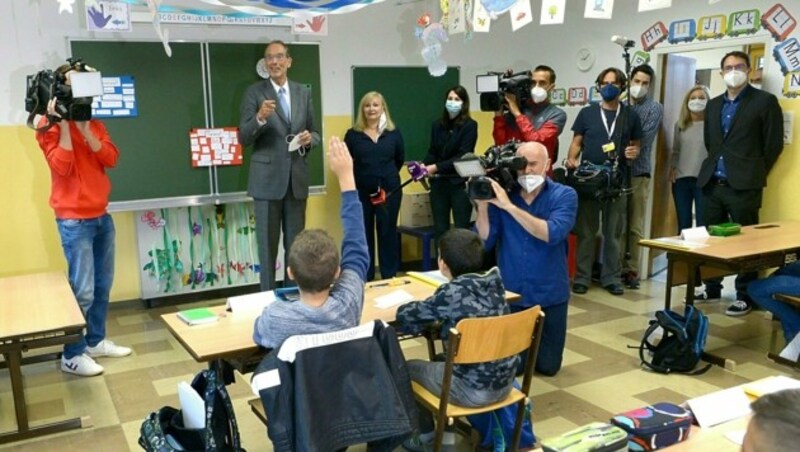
column 466, row 295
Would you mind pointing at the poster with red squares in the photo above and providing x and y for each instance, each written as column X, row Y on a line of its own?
column 215, row 147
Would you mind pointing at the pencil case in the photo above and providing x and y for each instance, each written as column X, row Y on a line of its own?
column 724, row 229
column 594, row 437
column 655, row 426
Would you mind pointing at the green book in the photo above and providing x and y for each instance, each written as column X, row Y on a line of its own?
column 197, row 316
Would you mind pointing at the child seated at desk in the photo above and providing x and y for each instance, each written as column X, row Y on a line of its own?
column 466, row 295
column 331, row 295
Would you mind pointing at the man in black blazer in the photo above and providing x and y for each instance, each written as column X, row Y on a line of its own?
column 274, row 113
column 744, row 136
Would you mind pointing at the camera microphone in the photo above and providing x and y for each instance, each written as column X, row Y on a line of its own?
column 622, row 41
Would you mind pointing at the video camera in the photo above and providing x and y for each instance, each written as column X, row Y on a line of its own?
column 500, row 163
column 493, row 88
column 73, row 101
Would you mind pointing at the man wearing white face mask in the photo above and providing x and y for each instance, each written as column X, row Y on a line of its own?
column 529, row 228
column 743, row 133
column 650, row 113
column 537, row 120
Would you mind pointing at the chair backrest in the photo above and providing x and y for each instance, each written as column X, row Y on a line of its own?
column 485, row 339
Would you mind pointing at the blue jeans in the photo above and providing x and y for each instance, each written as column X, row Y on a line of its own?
column 762, row 292
column 685, row 192
column 430, row 374
column 89, row 249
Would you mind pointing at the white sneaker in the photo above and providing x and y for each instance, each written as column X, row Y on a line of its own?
column 82, row 365
column 108, row 348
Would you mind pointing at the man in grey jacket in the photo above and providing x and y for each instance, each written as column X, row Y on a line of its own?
column 277, row 119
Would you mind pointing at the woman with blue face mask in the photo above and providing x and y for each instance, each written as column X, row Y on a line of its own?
column 452, row 136
column 688, row 153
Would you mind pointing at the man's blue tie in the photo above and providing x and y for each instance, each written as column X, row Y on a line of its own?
column 284, row 103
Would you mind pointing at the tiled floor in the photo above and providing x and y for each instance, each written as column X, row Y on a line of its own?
column 601, row 375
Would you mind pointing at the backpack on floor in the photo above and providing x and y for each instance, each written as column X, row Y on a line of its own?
column 681, row 345
column 163, row 430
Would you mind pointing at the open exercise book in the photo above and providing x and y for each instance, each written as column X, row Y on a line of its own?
column 433, row 277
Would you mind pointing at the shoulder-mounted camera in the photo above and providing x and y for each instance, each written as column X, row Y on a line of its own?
column 73, row 95
column 494, row 86
column 499, row 163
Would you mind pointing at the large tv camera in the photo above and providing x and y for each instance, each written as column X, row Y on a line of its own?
column 493, row 88
column 499, row 163
column 73, row 100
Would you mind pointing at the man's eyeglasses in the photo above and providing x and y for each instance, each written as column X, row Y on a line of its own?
column 737, row 67
column 278, row 57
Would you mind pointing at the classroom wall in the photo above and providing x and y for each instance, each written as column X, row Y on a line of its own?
column 33, row 39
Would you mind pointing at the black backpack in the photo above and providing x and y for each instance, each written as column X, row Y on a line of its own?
column 163, row 430
column 681, row 345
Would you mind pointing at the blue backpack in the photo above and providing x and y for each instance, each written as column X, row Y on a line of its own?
column 682, row 342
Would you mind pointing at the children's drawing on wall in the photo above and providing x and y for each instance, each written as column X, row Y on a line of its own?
column 598, row 9
column 552, row 12
column 186, row 249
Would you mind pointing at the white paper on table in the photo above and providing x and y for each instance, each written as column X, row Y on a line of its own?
column 721, row 406
column 193, row 407
column 393, row 298
column 697, row 235
column 250, row 302
column 736, row 436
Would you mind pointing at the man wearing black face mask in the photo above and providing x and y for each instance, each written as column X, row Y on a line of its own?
column 538, row 120
column 603, row 132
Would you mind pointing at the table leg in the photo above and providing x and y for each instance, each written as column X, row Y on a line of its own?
column 691, row 270
column 668, row 297
column 24, row 430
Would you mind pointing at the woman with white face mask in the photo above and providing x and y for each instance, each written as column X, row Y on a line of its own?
column 688, row 153
column 452, row 135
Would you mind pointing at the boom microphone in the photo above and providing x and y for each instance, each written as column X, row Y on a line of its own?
column 622, row 41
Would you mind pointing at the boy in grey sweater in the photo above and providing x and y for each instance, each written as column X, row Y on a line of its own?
column 331, row 294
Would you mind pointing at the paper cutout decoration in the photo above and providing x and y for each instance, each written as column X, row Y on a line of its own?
column 108, row 16
column 215, row 147
column 639, row 58
column 65, row 6
column 310, row 24
column 787, row 54
column 779, row 22
column 711, row 27
column 432, row 38
column 552, row 12
column 520, row 14
column 791, row 86
column 153, row 6
column 576, row 96
column 497, row 7
column 558, row 96
column 744, row 22
column 598, row 9
column 652, row 5
column 654, row 35
column 481, row 21
column 682, row 31
column 456, row 19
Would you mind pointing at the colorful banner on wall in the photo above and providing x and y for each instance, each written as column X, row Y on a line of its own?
column 215, row 147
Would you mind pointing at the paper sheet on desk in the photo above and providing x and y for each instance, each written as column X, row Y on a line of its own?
column 393, row 298
column 251, row 302
column 721, row 406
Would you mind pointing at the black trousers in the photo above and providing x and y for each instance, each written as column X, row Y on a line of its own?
column 382, row 221
column 721, row 204
column 448, row 197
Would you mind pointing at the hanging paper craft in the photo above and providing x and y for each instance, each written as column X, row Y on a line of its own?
column 520, row 14
column 108, row 16
column 598, row 9
column 552, row 12
column 456, row 21
column 480, row 18
column 215, row 147
column 651, row 5
column 497, row 7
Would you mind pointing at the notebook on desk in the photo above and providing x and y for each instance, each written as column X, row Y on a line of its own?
column 433, row 277
column 769, row 385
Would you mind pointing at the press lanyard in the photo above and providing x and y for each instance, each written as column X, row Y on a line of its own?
column 610, row 131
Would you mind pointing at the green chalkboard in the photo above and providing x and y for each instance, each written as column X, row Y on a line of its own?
column 154, row 159
column 414, row 97
column 232, row 68
column 180, row 93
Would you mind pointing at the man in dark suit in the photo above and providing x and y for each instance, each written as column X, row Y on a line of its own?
column 744, row 137
column 277, row 119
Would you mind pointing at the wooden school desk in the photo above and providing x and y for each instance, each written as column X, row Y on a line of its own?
column 232, row 336
column 757, row 247
column 36, row 311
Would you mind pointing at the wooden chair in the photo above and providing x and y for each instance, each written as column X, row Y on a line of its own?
column 481, row 340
